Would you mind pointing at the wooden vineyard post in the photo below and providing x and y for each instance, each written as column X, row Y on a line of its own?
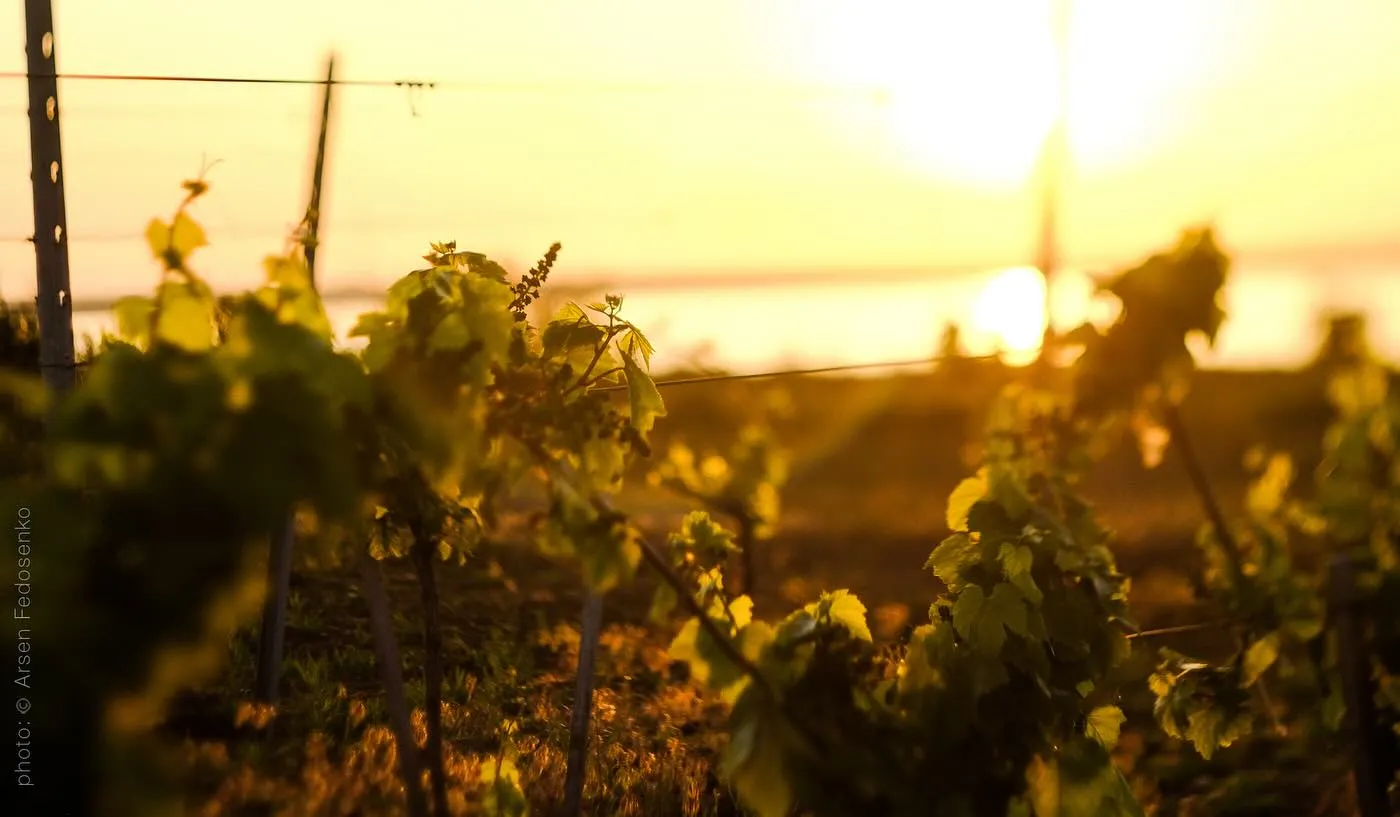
column 54, row 301
column 386, row 648
column 1357, row 689
column 575, row 772
column 279, row 563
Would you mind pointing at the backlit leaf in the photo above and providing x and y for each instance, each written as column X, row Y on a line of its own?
column 1209, row 730
column 633, row 342
column 983, row 620
column 450, row 333
column 186, row 235
column 1016, row 563
column 284, row 271
column 753, row 764
column 1259, row 657
column 952, row 557
column 843, row 609
column 133, row 314
column 644, row 397
column 185, row 319
column 962, row 499
column 1104, row 724
column 1266, row 494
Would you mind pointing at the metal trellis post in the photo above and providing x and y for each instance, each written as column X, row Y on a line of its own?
column 54, row 301
column 279, row 564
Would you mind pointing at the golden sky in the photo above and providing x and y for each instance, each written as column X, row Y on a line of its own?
column 1275, row 118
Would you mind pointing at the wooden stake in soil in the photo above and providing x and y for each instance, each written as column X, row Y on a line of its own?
column 386, row 647
column 1357, row 689
column 583, row 704
column 279, row 563
column 55, row 299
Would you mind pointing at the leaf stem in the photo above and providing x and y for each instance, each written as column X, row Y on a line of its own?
column 596, row 378
column 602, row 348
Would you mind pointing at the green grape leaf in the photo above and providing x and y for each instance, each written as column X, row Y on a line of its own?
column 662, row 603
column 1008, row 493
column 951, row 558
column 503, row 796
column 703, row 536
column 1358, row 389
column 486, row 312
column 1259, row 657
column 402, row 291
column 843, row 609
column 645, row 398
column 289, row 272
column 133, row 315
column 26, row 391
column 1104, row 724
column 185, row 319
column 709, row 665
column 1334, row 709
column 1266, row 495
column 451, row 332
column 306, row 310
column 569, row 330
column 172, row 243
column 186, row 235
column 633, row 343
column 1016, row 563
column 603, row 465
column 1043, row 787
column 370, row 324
column 380, row 352
column 983, row 620
column 753, row 763
column 483, row 266
column 741, row 610
column 1016, row 560
column 609, row 558
column 931, row 649
column 1080, row 781
column 968, row 492
column 1209, row 729
column 685, row 647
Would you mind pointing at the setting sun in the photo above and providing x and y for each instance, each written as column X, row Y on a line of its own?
column 1010, row 312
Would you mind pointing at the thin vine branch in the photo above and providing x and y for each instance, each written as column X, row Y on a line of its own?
column 686, row 598
column 1181, row 628
column 1172, row 416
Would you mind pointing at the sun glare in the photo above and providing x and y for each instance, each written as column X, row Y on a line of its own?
column 975, row 101
column 1010, row 313
column 971, row 89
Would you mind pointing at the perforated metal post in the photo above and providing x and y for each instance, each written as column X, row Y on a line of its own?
column 54, row 301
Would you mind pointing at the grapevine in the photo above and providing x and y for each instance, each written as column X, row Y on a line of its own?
column 744, row 486
column 994, row 706
column 1284, row 677
column 180, row 451
column 207, row 417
